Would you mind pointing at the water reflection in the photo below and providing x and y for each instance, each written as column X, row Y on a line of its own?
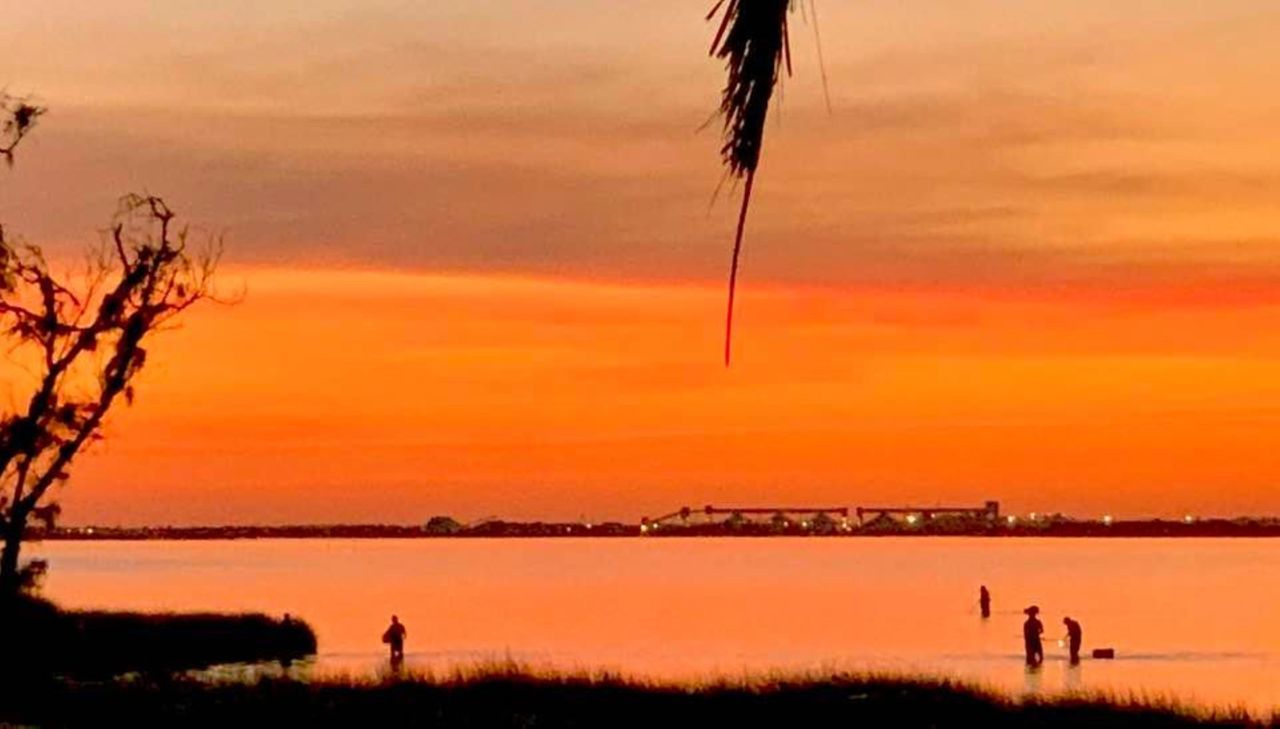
column 302, row 670
column 1073, row 678
column 681, row 609
column 1032, row 679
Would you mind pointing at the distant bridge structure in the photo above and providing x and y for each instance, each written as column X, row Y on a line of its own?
column 810, row 515
column 990, row 511
column 712, row 514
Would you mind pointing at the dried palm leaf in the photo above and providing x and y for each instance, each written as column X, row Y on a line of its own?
column 752, row 40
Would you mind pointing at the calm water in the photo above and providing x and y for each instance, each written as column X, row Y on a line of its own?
column 1196, row 618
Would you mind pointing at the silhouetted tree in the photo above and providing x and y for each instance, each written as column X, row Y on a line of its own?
column 443, row 525
column 81, row 338
column 17, row 117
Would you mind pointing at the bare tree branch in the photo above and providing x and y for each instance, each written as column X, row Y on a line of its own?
column 85, row 338
column 19, row 117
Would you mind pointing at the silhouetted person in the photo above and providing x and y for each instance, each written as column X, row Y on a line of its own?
column 1032, row 629
column 394, row 638
column 1074, row 636
column 984, row 601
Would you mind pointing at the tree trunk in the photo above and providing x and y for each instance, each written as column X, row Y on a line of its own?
column 9, row 581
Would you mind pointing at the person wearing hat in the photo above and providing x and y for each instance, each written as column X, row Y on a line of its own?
column 1032, row 629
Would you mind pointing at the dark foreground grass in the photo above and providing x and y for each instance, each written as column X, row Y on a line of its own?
column 44, row 640
column 511, row 697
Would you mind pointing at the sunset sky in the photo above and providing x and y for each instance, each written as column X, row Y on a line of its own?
column 1032, row 253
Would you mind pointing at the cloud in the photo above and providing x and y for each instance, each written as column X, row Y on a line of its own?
column 380, row 139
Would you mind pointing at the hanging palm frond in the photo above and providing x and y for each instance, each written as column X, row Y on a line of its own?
column 752, row 40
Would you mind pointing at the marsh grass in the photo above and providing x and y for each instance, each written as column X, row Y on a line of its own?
column 510, row 694
column 46, row 640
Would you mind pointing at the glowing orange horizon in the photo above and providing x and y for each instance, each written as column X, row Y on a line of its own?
column 364, row 396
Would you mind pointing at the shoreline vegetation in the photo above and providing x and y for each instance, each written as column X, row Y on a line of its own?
column 445, row 527
column 94, row 644
column 514, row 696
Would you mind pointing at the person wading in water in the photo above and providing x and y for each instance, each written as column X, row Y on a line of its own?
column 1032, row 629
column 984, row 601
column 394, row 638
column 1074, row 636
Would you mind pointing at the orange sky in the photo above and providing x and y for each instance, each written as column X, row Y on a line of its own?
column 1030, row 254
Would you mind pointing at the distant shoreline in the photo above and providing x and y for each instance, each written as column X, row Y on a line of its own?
column 1215, row 528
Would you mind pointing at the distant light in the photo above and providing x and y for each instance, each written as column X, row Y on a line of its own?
column 1033, row 516
column 1188, row 519
column 1106, row 519
column 588, row 525
column 89, row 530
column 1011, row 520
column 911, row 518
column 804, row 524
